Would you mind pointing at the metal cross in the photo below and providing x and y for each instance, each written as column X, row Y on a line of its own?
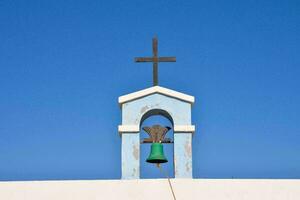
column 155, row 60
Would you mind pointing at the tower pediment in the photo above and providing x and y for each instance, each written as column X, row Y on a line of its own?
column 156, row 90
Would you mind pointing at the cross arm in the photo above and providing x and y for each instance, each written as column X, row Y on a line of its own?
column 167, row 59
column 153, row 59
column 143, row 59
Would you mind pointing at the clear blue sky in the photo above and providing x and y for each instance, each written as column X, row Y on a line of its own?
column 63, row 65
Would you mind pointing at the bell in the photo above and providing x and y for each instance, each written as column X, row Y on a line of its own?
column 157, row 154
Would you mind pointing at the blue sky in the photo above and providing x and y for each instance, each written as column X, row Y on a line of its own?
column 63, row 65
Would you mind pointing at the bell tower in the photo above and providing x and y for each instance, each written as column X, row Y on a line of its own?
column 156, row 100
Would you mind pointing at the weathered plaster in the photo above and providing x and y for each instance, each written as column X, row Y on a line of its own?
column 137, row 110
column 180, row 111
column 183, row 155
column 130, row 156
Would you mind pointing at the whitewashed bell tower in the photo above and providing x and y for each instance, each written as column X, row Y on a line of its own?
column 156, row 100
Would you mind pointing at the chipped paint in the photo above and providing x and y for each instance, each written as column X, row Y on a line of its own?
column 188, row 149
column 187, row 167
column 130, row 161
column 182, row 154
column 135, row 152
column 144, row 109
column 134, row 170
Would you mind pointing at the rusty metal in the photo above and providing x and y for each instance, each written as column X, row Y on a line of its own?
column 155, row 60
column 157, row 134
column 149, row 140
column 160, row 59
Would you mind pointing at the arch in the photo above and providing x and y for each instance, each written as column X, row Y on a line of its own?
column 150, row 118
column 156, row 111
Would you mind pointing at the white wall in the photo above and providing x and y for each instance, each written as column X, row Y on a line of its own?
column 149, row 189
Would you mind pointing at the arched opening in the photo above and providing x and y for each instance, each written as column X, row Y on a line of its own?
column 148, row 170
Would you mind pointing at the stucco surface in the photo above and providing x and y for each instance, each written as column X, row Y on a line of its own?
column 133, row 114
column 148, row 189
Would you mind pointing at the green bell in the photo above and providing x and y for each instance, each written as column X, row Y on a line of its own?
column 157, row 154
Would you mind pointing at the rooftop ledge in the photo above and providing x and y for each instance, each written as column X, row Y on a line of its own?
column 187, row 189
